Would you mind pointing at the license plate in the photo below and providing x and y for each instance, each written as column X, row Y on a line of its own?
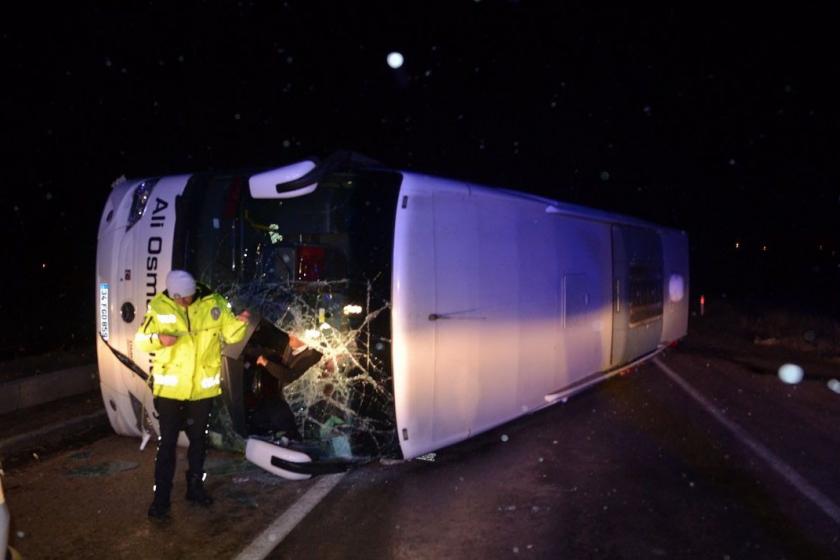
column 104, row 329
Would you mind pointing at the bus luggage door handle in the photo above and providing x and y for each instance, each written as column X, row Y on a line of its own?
column 436, row 316
column 618, row 295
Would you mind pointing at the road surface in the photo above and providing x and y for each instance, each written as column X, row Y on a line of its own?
column 705, row 454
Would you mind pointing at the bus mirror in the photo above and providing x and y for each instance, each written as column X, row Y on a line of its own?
column 282, row 182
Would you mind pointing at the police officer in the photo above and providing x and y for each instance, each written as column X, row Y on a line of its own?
column 184, row 327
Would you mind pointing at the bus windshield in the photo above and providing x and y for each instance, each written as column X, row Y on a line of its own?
column 317, row 267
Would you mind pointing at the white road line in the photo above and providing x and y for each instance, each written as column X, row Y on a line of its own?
column 786, row 471
column 269, row 539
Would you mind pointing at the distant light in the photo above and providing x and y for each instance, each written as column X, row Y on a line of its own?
column 605, row 175
column 764, row 247
column 43, row 266
column 352, row 309
column 395, row 60
column 737, row 244
column 791, row 374
column 504, row 437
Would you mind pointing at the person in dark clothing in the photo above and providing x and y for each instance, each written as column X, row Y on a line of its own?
column 285, row 365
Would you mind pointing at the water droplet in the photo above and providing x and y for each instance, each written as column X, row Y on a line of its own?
column 395, row 60
column 791, row 374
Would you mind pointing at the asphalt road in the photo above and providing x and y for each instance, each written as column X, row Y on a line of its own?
column 716, row 459
column 635, row 468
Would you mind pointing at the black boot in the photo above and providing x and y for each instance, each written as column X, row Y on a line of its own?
column 195, row 490
column 159, row 509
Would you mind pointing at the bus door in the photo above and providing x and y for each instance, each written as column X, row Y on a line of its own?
column 637, row 293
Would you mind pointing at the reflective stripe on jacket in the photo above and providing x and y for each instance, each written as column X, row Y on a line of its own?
column 190, row 369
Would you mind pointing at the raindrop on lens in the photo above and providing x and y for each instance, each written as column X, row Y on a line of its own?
column 395, row 60
column 791, row 373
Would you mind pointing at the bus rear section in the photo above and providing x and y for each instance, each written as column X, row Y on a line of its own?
column 505, row 303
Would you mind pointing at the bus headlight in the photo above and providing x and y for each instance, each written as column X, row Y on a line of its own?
column 141, row 197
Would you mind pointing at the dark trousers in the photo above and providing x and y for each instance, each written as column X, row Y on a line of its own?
column 174, row 416
column 274, row 414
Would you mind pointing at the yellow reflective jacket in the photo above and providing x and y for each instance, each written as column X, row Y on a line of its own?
column 190, row 369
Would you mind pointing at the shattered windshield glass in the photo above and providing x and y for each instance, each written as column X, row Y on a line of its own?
column 316, row 268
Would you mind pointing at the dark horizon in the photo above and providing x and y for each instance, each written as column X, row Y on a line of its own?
column 719, row 123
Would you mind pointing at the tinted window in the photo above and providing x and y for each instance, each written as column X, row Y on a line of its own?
column 644, row 284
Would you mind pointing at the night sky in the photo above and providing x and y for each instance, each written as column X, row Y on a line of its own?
column 717, row 121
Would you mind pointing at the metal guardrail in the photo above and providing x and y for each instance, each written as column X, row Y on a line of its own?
column 47, row 387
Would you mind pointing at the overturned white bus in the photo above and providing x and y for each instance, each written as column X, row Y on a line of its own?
column 442, row 308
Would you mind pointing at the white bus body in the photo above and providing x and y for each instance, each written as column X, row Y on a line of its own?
column 492, row 303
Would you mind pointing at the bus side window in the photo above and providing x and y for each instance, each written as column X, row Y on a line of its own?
column 645, row 292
